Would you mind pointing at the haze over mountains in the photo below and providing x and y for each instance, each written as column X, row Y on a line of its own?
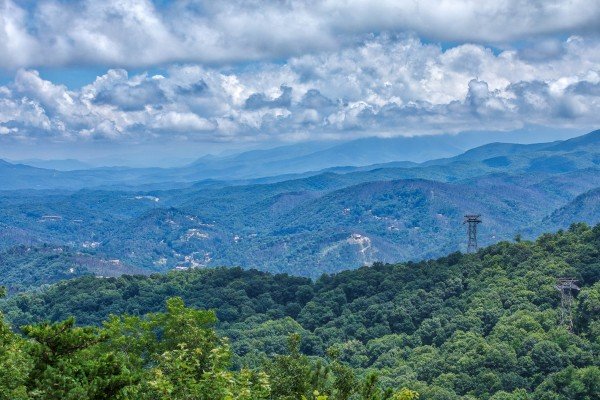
column 306, row 224
column 301, row 158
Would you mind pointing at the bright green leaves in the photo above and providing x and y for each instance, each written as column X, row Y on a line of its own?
column 15, row 365
column 405, row 394
column 168, row 356
column 171, row 355
column 571, row 384
column 295, row 376
column 178, row 376
column 290, row 374
column 180, row 356
column 588, row 312
column 67, row 363
column 478, row 326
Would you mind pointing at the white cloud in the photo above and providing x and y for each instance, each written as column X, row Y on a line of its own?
column 388, row 85
column 133, row 33
column 182, row 122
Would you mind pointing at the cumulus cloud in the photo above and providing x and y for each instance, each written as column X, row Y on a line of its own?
column 133, row 33
column 181, row 122
column 388, row 85
column 131, row 96
column 259, row 100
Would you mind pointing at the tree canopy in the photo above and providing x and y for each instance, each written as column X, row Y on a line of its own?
column 465, row 326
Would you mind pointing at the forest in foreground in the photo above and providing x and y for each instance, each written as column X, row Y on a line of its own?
column 465, row 326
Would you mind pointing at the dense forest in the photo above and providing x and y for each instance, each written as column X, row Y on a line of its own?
column 465, row 326
column 28, row 267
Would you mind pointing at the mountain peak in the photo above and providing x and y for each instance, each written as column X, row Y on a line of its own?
column 592, row 138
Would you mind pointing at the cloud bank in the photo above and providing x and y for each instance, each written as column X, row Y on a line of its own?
column 298, row 70
column 133, row 33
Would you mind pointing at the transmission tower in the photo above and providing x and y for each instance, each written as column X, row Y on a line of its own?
column 566, row 287
column 472, row 220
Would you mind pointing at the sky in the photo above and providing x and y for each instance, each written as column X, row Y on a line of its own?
column 168, row 79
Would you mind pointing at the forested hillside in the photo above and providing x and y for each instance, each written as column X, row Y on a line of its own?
column 27, row 267
column 322, row 223
column 476, row 326
column 585, row 207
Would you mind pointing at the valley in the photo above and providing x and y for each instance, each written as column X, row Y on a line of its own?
column 321, row 223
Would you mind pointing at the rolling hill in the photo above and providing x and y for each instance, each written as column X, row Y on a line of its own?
column 585, row 207
column 24, row 267
column 298, row 159
column 322, row 222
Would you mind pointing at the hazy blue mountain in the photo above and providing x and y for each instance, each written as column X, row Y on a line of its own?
column 312, row 223
column 356, row 153
column 488, row 153
column 299, row 160
column 585, row 207
column 491, row 151
column 306, row 227
column 59, row 165
column 361, row 153
column 589, row 141
column 20, row 176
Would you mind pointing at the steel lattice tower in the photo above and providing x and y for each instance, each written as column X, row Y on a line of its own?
column 566, row 286
column 472, row 220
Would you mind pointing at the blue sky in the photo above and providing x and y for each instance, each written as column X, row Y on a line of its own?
column 190, row 77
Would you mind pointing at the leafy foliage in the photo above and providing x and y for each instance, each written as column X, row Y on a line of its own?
column 23, row 268
column 482, row 325
column 169, row 355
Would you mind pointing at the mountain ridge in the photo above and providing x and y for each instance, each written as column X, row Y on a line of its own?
column 315, row 223
column 22, row 177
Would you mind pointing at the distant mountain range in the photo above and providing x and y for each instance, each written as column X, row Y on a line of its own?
column 318, row 222
column 279, row 163
column 59, row 165
column 585, row 207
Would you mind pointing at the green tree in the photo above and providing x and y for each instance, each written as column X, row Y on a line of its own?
column 183, row 357
column 15, row 364
column 290, row 374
